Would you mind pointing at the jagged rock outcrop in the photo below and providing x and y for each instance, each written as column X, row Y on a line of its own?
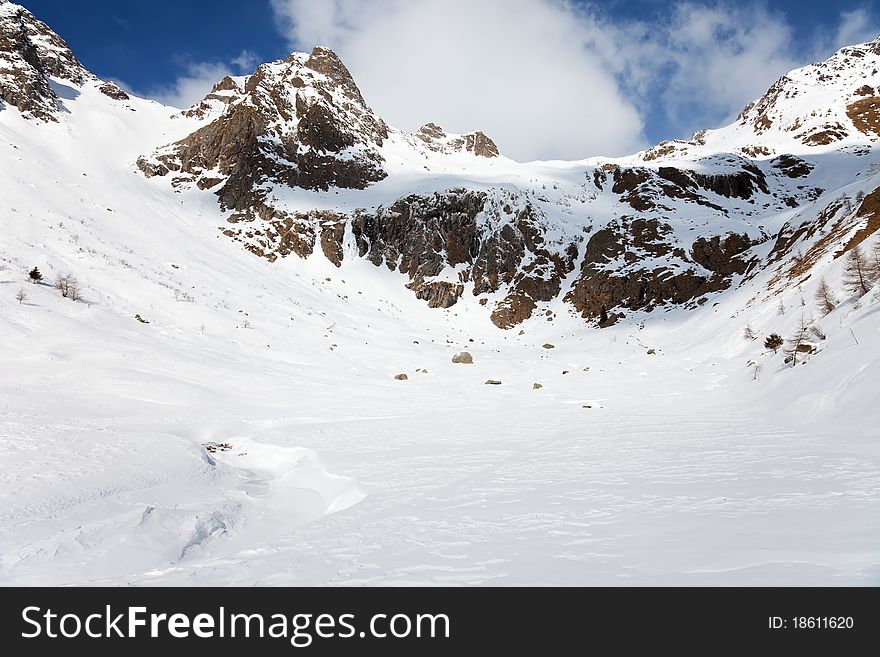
column 300, row 122
column 647, row 189
column 613, row 278
column 475, row 143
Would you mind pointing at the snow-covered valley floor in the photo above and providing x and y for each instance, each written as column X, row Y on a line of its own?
column 334, row 473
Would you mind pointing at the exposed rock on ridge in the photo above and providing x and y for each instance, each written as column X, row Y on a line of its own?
column 300, row 122
column 31, row 56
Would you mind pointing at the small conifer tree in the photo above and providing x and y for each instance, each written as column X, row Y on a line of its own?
column 774, row 342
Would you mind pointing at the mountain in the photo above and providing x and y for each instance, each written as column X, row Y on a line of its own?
column 666, row 227
column 612, row 237
column 259, row 377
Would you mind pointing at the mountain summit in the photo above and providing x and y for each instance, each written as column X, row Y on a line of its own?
column 35, row 64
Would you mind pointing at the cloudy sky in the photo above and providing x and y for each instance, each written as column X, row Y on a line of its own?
column 545, row 78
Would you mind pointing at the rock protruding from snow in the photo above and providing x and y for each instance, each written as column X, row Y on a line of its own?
column 475, row 143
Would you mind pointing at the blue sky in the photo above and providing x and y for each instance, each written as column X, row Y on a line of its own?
column 612, row 75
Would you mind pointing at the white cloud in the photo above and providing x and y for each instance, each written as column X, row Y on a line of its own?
column 708, row 62
column 199, row 78
column 246, row 62
column 521, row 70
column 556, row 78
column 856, row 26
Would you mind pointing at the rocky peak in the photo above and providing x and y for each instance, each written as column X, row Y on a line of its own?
column 823, row 103
column 221, row 95
column 34, row 60
column 297, row 122
column 37, row 44
column 327, row 63
column 475, row 143
column 30, row 52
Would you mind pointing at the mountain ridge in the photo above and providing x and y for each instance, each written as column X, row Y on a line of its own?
column 301, row 165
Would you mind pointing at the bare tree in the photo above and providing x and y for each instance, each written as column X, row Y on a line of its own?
column 749, row 333
column 856, row 274
column 825, row 297
column 874, row 262
column 817, row 332
column 68, row 285
column 797, row 341
column 781, row 308
column 21, row 296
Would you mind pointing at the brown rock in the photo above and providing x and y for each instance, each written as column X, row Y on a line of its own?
column 112, row 91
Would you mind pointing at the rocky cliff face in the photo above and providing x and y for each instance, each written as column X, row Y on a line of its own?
column 452, row 241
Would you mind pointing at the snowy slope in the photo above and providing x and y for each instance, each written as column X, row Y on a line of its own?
column 253, row 432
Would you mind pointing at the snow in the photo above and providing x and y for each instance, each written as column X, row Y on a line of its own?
column 252, row 432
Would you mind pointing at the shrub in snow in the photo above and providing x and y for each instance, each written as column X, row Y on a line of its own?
column 68, row 286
